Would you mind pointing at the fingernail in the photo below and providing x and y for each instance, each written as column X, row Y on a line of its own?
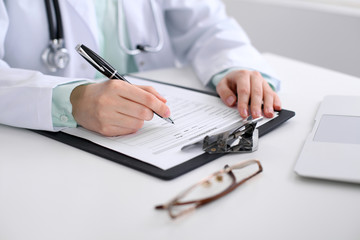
column 244, row 113
column 277, row 105
column 230, row 100
column 270, row 112
column 256, row 114
column 167, row 113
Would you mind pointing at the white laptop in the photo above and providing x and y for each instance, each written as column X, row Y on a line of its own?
column 332, row 149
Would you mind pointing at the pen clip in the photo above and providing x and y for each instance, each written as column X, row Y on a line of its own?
column 85, row 55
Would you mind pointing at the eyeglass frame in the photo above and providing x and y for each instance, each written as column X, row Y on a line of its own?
column 198, row 203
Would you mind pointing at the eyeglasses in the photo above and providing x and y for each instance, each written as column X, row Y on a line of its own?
column 211, row 188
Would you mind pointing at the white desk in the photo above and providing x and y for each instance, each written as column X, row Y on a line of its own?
column 49, row 190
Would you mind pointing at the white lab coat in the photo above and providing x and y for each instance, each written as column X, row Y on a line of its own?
column 197, row 32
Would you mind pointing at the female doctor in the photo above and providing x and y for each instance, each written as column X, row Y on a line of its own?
column 45, row 84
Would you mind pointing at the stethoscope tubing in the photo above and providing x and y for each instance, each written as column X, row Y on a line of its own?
column 58, row 32
column 56, row 56
column 141, row 47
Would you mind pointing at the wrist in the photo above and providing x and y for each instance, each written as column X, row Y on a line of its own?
column 61, row 108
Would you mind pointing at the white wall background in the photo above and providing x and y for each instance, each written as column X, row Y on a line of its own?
column 344, row 3
column 324, row 34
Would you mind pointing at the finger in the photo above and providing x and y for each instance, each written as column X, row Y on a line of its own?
column 153, row 91
column 243, row 91
column 111, row 123
column 108, row 105
column 256, row 94
column 269, row 96
column 124, row 131
column 226, row 92
column 115, row 130
column 277, row 103
column 132, row 109
column 120, row 125
column 147, row 99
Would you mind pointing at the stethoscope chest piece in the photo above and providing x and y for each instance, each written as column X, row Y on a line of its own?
column 56, row 56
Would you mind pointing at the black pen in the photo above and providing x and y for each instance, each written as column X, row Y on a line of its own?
column 104, row 67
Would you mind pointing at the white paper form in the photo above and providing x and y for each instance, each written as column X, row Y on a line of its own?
column 159, row 143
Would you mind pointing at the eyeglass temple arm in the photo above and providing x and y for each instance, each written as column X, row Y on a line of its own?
column 215, row 197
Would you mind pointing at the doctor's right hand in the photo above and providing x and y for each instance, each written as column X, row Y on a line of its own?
column 114, row 107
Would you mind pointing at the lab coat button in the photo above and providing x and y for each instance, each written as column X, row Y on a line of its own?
column 141, row 63
column 64, row 118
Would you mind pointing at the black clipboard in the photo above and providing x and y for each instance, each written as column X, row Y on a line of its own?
column 139, row 165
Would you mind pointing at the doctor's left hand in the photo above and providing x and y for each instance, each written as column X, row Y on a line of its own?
column 114, row 107
column 246, row 88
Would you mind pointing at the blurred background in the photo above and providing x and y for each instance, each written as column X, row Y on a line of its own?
column 325, row 33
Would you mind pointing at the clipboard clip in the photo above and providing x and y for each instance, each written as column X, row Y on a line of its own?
column 243, row 138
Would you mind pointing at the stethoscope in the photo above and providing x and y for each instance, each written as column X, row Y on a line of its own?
column 56, row 56
column 141, row 47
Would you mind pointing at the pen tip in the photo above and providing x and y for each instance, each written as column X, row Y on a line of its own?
column 170, row 120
